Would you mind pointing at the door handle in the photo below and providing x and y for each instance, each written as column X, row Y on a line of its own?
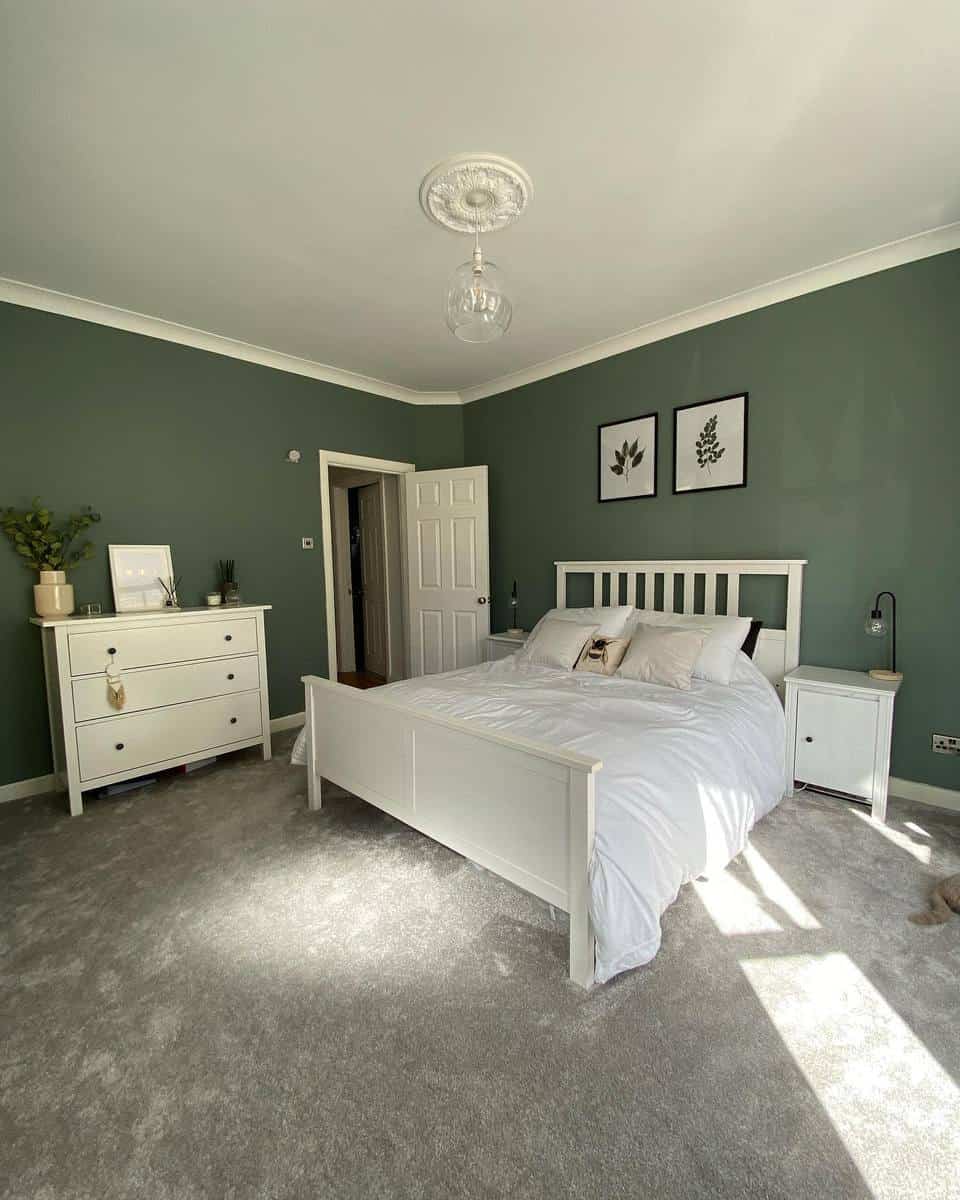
column 483, row 599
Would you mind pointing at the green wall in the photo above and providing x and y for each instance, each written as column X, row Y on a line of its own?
column 854, row 465
column 178, row 446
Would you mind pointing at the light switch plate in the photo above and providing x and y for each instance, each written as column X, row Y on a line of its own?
column 306, row 543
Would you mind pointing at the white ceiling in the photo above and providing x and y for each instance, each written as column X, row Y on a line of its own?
column 252, row 169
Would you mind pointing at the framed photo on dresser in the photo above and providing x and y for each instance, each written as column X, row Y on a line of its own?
column 710, row 444
column 627, row 464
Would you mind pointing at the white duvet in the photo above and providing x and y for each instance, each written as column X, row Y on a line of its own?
column 685, row 775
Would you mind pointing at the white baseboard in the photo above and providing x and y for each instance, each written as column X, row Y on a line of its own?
column 38, row 786
column 21, row 788
column 925, row 793
column 290, row 721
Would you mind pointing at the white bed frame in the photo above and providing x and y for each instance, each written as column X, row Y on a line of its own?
column 519, row 808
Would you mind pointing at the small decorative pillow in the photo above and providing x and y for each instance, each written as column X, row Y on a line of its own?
column 720, row 651
column 750, row 641
column 602, row 655
column 609, row 622
column 663, row 654
column 557, row 643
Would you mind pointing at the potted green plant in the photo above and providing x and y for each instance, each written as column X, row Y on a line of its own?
column 48, row 547
column 229, row 588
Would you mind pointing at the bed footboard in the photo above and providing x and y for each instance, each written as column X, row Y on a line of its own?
column 521, row 809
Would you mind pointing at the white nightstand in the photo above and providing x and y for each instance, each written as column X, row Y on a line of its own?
column 500, row 645
column 839, row 725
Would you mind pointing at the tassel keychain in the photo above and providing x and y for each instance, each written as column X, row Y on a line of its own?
column 116, row 695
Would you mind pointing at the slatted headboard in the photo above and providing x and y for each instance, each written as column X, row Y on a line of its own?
column 673, row 586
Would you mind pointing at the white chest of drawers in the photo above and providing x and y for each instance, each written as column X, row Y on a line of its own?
column 195, row 683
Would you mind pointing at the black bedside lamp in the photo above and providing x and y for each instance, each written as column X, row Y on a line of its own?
column 877, row 626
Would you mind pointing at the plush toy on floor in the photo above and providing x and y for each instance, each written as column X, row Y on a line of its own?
column 944, row 901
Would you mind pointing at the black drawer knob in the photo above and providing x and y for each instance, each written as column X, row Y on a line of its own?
column 233, row 720
column 119, row 745
column 808, row 739
column 230, row 676
column 228, row 637
column 111, row 649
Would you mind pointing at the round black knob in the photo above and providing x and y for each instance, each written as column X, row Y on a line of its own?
column 230, row 676
column 111, row 649
column 228, row 637
column 233, row 720
column 119, row 745
column 808, row 739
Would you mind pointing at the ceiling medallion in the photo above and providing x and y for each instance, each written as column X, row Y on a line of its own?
column 475, row 193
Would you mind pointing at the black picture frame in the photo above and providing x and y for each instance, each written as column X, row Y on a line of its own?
column 712, row 487
column 649, row 416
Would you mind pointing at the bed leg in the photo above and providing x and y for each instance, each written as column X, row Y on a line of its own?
column 583, row 950
column 314, row 783
column 582, row 824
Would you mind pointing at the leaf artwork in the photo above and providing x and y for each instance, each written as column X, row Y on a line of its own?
column 630, row 455
column 708, row 448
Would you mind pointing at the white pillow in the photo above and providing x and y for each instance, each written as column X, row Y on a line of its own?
column 557, row 643
column 718, row 658
column 663, row 654
column 610, row 622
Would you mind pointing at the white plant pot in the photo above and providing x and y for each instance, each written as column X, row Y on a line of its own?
column 53, row 596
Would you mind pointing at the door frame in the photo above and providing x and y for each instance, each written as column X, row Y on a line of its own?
column 336, row 458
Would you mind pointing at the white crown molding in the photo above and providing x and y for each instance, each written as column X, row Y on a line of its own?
column 28, row 295
column 866, row 262
column 854, row 266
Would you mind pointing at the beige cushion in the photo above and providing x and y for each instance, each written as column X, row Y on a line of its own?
column 557, row 643
column 602, row 655
column 663, row 654
column 725, row 636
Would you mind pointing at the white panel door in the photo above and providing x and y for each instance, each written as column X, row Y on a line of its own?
column 374, row 581
column 448, row 568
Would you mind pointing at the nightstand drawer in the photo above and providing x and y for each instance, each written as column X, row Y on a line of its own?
column 836, row 741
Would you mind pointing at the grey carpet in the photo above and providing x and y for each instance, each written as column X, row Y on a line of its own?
column 208, row 991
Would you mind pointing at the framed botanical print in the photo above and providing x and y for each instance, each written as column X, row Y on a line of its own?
column 628, row 459
column 710, row 444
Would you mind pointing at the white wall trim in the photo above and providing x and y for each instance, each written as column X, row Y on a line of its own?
column 925, row 793
column 360, row 462
column 12, row 291
column 842, row 270
column 290, row 721
column 20, row 789
column 866, row 262
column 40, row 785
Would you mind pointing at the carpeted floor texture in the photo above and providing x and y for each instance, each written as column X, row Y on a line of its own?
column 208, row 991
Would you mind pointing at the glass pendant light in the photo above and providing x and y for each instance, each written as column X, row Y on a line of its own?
column 477, row 307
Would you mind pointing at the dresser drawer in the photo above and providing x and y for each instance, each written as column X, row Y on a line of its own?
column 153, row 687
column 124, row 743
column 158, row 644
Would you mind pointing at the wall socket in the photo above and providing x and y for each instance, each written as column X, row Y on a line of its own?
column 943, row 743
